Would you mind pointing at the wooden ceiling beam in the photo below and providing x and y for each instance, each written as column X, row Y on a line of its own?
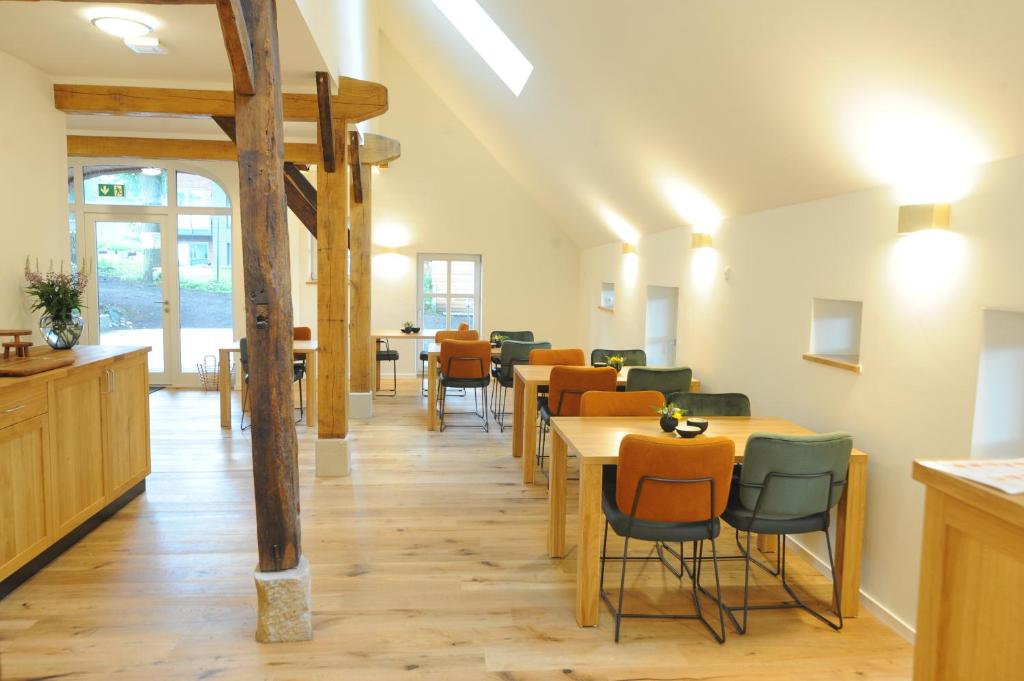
column 357, row 100
column 325, row 123
column 377, row 149
column 94, row 146
column 141, row 2
column 237, row 44
column 357, row 167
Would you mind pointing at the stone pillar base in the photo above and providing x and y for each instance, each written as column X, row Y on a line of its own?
column 284, row 611
column 360, row 405
column 332, row 458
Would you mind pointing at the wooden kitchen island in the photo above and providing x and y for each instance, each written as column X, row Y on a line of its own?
column 74, row 448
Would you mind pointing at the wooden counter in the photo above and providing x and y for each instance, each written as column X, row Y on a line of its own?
column 969, row 613
column 74, row 448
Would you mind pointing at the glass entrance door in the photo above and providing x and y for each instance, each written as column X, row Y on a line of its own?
column 135, row 302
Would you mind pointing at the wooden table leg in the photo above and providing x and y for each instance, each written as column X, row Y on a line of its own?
column 311, row 388
column 529, row 432
column 850, row 535
column 556, row 496
column 432, row 391
column 224, row 387
column 517, row 414
column 588, row 551
column 767, row 543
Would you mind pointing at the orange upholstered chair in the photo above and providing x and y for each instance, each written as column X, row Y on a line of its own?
column 565, row 388
column 639, row 403
column 570, row 357
column 445, row 334
column 463, row 326
column 668, row 490
column 465, row 364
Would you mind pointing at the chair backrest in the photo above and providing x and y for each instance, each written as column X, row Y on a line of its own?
column 569, row 357
column 665, row 381
column 526, row 336
column 461, row 334
column 303, row 333
column 630, row 358
column 711, row 404
column 643, row 456
column 567, row 385
column 518, row 352
column 794, row 455
column 243, row 354
column 465, row 358
column 640, row 403
column 463, row 326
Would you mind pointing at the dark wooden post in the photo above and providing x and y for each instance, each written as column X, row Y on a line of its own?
column 268, row 308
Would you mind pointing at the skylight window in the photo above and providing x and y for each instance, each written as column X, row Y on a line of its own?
column 489, row 41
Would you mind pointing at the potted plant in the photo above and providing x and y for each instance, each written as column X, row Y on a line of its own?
column 497, row 339
column 59, row 296
column 616, row 362
column 671, row 415
column 407, row 327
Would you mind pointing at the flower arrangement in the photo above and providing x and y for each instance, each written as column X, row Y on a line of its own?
column 672, row 410
column 60, row 296
column 407, row 325
column 616, row 362
column 497, row 339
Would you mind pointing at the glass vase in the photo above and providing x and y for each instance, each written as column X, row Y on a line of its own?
column 63, row 333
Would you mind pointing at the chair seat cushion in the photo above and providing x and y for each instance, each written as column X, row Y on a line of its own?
column 424, row 355
column 646, row 529
column 465, row 382
column 545, row 413
column 298, row 372
column 387, row 356
column 741, row 518
column 542, row 401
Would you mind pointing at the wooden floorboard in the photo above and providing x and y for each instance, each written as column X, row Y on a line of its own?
column 429, row 562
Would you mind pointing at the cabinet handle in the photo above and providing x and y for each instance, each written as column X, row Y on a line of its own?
column 14, row 410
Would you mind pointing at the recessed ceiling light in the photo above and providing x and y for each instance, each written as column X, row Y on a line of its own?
column 122, row 27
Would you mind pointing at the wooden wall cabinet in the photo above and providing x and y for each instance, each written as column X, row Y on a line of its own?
column 73, row 442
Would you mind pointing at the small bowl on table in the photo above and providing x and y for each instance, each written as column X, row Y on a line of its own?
column 411, row 329
column 698, row 422
column 688, row 431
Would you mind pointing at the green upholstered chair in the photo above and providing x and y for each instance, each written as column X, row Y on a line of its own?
column 526, row 336
column 298, row 373
column 630, row 358
column 711, row 404
column 787, row 485
column 513, row 352
column 665, row 381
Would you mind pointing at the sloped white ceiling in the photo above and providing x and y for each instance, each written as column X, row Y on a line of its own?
column 753, row 104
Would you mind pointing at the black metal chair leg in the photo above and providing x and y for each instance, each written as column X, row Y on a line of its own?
column 622, row 589
column 245, row 403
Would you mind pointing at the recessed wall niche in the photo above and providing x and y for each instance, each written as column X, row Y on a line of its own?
column 607, row 296
column 998, row 430
column 835, row 333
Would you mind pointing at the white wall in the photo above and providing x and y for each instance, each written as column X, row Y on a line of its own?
column 447, row 194
column 921, row 333
column 33, row 186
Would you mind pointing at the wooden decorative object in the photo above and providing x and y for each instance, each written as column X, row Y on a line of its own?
column 19, row 346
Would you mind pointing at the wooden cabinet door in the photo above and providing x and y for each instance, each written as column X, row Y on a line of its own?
column 126, row 426
column 24, row 518
column 76, row 412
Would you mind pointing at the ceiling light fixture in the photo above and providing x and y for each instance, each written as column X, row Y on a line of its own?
column 148, row 44
column 122, row 27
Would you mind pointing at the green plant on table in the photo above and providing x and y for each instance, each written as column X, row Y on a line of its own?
column 57, row 294
column 672, row 409
column 616, row 361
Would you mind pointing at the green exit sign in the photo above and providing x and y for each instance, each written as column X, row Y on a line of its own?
column 112, row 190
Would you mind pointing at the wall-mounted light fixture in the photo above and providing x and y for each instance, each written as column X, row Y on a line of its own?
column 628, row 248
column 923, row 216
column 700, row 240
column 387, row 249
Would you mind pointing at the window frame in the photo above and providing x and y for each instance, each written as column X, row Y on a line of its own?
column 477, row 294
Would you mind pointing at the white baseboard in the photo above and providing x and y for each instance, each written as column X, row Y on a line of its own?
column 888, row 617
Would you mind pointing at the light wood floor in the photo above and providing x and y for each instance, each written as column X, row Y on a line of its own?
column 428, row 563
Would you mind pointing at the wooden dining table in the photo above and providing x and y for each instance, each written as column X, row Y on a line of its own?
column 528, row 379
column 305, row 348
column 595, row 441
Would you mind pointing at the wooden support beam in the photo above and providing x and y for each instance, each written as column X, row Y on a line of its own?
column 236, row 42
column 378, row 149
column 142, row 2
column 326, row 121
column 300, row 195
column 363, row 352
column 94, row 146
column 357, row 100
column 268, row 307
column 357, row 171
column 332, row 299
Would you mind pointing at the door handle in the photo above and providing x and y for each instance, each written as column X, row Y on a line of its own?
column 14, row 410
column 165, row 303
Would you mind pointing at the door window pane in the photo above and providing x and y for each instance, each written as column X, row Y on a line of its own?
column 204, row 287
column 71, row 185
column 435, row 277
column 462, row 312
column 129, row 286
column 73, row 233
column 463, row 277
column 125, row 185
column 196, row 191
column 435, row 312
